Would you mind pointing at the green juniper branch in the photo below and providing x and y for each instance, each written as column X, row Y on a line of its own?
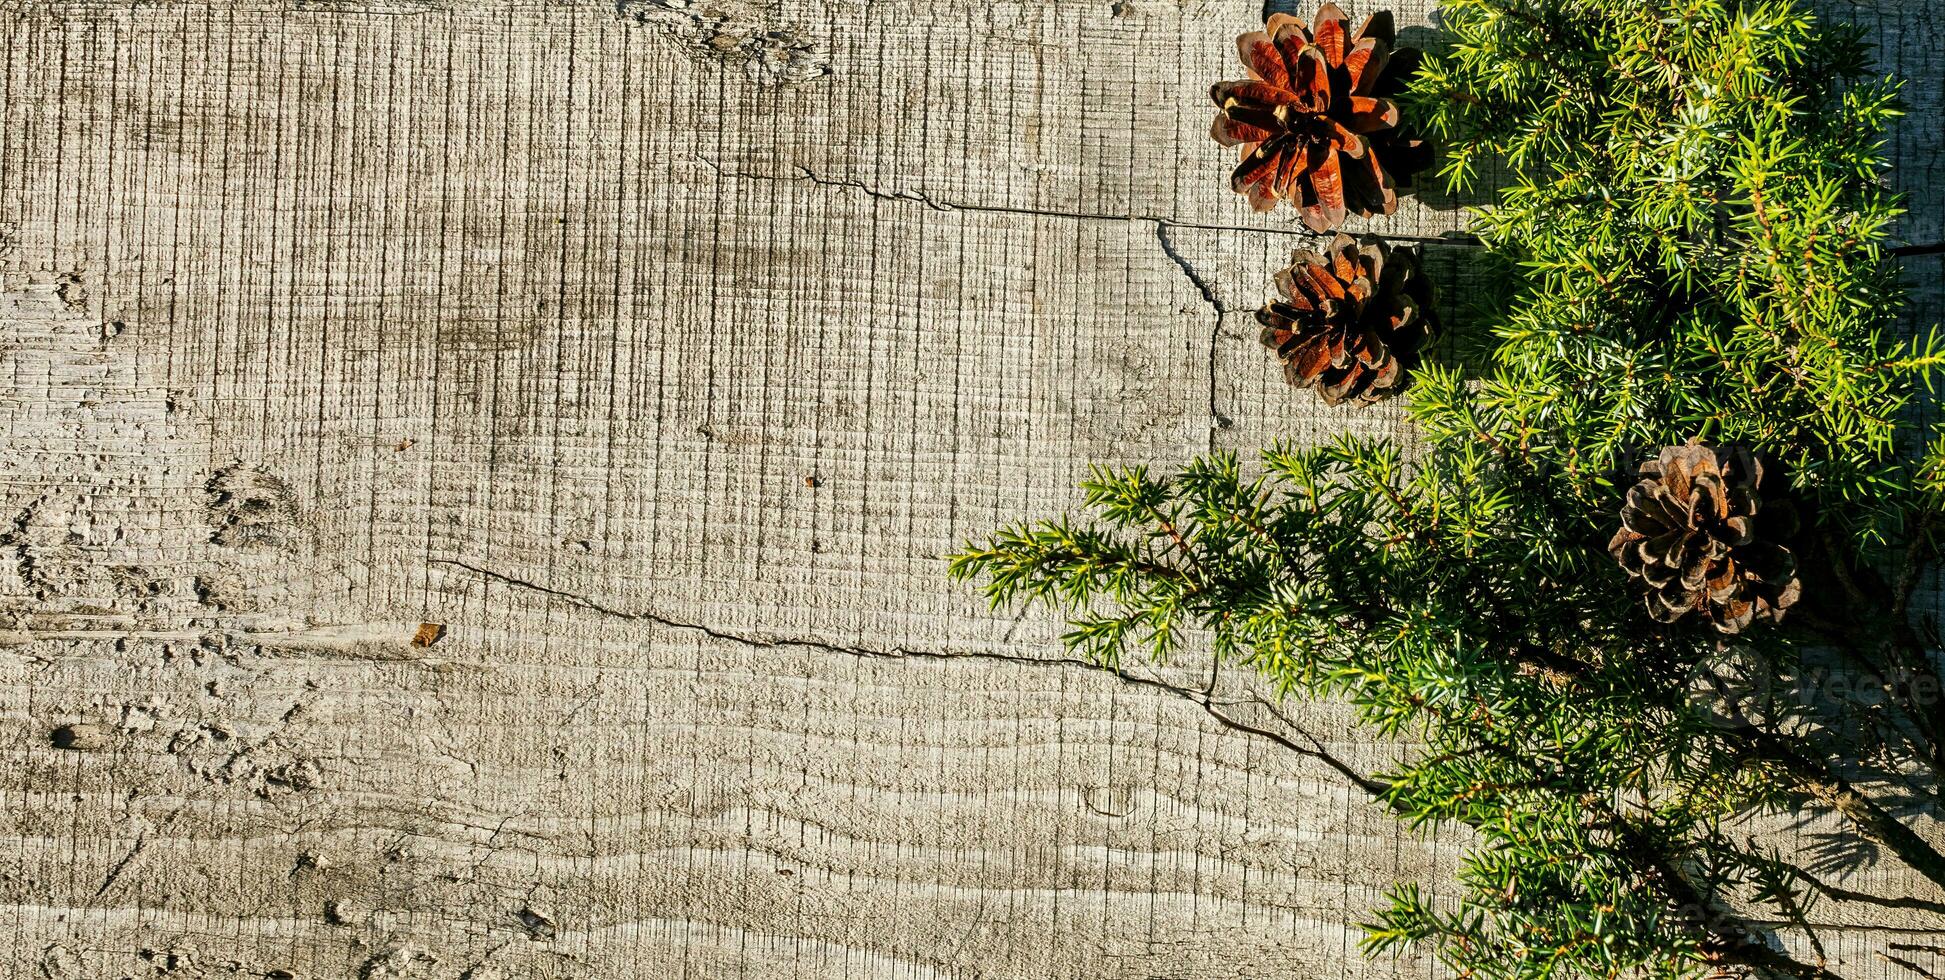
column 1690, row 244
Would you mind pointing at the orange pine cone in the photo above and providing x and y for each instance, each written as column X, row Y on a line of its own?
column 1314, row 122
column 1349, row 321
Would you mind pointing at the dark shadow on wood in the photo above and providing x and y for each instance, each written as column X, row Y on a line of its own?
column 1467, row 286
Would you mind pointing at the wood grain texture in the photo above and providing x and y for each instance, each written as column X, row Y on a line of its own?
column 656, row 351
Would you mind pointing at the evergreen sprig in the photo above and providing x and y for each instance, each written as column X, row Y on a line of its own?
column 1691, row 227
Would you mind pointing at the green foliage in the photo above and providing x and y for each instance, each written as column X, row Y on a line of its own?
column 1693, row 221
column 1690, row 225
column 1438, row 600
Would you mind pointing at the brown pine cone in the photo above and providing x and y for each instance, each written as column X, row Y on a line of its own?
column 1350, row 320
column 1313, row 122
column 1700, row 531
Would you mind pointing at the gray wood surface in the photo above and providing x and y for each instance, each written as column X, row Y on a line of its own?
column 657, row 350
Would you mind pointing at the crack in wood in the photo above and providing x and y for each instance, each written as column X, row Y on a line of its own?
column 114, row 873
column 1201, row 285
column 807, row 175
column 1313, row 750
column 1217, row 420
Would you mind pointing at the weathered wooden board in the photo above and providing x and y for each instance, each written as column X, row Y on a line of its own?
column 658, row 351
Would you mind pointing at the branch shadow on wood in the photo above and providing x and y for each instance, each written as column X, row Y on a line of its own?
column 1816, row 693
column 1468, row 285
column 1429, row 188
